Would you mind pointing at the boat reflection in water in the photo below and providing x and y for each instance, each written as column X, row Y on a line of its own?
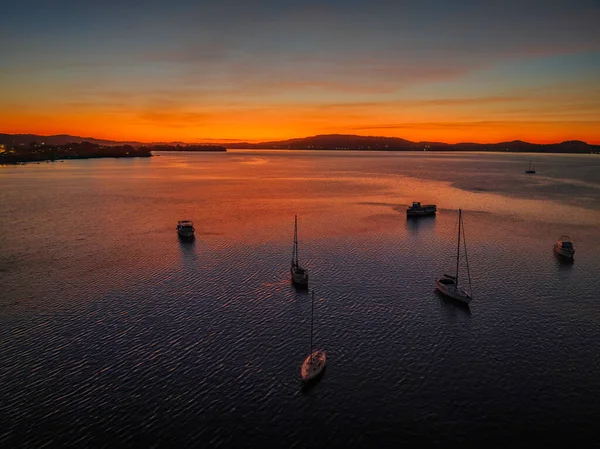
column 414, row 224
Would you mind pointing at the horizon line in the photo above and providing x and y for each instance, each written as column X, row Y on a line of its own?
column 215, row 141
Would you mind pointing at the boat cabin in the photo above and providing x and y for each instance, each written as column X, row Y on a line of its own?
column 418, row 209
column 448, row 280
column 565, row 242
column 566, row 245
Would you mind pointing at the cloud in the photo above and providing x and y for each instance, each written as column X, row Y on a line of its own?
column 174, row 119
column 288, row 66
column 438, row 102
column 471, row 124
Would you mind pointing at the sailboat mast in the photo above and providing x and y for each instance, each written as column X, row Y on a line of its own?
column 295, row 256
column 312, row 309
column 467, row 261
column 458, row 249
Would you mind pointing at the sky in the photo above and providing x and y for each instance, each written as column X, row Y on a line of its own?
column 232, row 70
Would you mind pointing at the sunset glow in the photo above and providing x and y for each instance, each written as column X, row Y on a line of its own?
column 230, row 71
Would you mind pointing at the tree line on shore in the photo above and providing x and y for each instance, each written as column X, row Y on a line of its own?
column 40, row 151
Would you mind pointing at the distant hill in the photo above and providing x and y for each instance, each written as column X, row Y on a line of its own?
column 62, row 139
column 329, row 142
column 353, row 142
column 337, row 141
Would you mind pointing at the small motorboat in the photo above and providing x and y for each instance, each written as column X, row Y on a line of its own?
column 185, row 229
column 564, row 247
column 416, row 210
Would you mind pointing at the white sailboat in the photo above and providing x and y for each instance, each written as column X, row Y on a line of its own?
column 299, row 274
column 314, row 364
column 448, row 285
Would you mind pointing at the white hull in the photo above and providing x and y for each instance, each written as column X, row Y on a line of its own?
column 454, row 292
column 313, row 365
column 567, row 253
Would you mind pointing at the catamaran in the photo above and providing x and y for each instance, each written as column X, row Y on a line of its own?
column 314, row 364
column 299, row 274
column 448, row 285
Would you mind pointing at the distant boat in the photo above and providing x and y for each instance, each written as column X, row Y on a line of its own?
column 531, row 168
column 448, row 285
column 314, row 364
column 299, row 274
column 185, row 229
column 564, row 247
column 416, row 210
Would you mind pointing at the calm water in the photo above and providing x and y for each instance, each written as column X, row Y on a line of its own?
column 113, row 333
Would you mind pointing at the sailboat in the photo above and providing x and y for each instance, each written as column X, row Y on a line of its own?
column 531, row 168
column 314, row 364
column 299, row 274
column 448, row 285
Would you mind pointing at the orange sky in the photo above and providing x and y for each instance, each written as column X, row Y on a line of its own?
column 457, row 72
column 290, row 122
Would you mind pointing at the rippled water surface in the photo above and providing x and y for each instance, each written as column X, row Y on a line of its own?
column 114, row 333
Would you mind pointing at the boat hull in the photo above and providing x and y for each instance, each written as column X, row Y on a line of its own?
column 299, row 279
column 185, row 230
column 313, row 366
column 186, row 235
column 454, row 292
column 420, row 213
column 418, row 210
column 566, row 253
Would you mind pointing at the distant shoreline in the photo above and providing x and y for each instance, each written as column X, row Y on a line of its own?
column 42, row 152
column 389, row 150
column 62, row 159
column 34, row 160
column 187, row 148
column 28, row 147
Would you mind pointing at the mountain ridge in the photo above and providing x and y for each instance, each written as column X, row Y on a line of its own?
column 331, row 142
